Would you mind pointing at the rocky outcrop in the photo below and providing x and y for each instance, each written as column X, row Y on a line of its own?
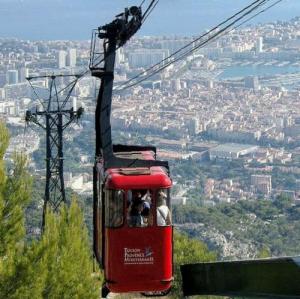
column 226, row 245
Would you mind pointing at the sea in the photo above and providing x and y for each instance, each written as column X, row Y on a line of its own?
column 74, row 19
column 263, row 70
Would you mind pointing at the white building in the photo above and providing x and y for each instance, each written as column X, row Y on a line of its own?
column 231, row 151
column 61, row 59
column 259, row 45
column 120, row 58
column 23, row 74
column 12, row 77
column 17, row 91
column 72, row 58
column 146, row 57
column 174, row 45
column 262, row 183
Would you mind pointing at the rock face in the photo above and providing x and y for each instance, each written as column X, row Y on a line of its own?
column 226, row 245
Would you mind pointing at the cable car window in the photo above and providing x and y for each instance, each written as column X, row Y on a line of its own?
column 163, row 213
column 114, row 203
column 139, row 204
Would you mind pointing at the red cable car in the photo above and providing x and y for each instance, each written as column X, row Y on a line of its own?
column 132, row 218
column 134, row 246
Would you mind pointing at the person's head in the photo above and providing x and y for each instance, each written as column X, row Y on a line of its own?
column 137, row 205
column 161, row 198
column 137, row 194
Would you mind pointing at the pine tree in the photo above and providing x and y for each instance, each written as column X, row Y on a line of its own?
column 68, row 258
column 59, row 264
column 28, row 278
column 4, row 140
column 14, row 196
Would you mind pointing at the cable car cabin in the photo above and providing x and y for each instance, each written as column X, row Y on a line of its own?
column 132, row 228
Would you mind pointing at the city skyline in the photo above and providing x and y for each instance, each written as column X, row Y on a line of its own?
column 64, row 19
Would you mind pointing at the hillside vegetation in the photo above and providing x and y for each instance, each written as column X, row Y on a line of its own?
column 260, row 224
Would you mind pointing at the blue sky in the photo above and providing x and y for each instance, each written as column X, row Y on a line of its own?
column 74, row 19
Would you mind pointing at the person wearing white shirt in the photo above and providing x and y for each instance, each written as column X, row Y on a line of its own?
column 163, row 214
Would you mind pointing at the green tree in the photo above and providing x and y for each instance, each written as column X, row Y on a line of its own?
column 4, row 139
column 264, row 252
column 14, row 196
column 59, row 264
column 27, row 280
column 68, row 256
column 283, row 202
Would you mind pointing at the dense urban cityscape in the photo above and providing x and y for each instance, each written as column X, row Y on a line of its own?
column 236, row 99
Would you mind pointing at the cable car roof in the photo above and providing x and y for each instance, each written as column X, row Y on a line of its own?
column 137, row 178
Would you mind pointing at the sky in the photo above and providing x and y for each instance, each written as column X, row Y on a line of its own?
column 74, row 19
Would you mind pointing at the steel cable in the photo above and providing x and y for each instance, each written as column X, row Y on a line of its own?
column 202, row 44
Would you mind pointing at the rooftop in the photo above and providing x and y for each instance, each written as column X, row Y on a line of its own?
column 234, row 147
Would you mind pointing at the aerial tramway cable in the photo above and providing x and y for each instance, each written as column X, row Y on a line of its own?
column 190, row 43
column 260, row 12
column 149, row 10
column 247, row 10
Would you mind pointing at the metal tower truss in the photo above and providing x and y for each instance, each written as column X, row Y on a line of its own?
column 54, row 113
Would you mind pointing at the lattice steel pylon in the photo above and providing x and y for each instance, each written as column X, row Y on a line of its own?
column 56, row 115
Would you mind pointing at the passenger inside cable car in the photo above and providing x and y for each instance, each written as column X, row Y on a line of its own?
column 139, row 213
column 163, row 215
column 135, row 218
column 139, row 208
